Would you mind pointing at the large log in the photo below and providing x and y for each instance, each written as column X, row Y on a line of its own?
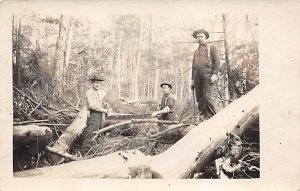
column 32, row 133
column 66, row 140
column 126, row 164
column 189, row 154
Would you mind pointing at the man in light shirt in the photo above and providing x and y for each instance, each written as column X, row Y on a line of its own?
column 96, row 110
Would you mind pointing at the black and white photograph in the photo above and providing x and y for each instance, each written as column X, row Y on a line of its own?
column 135, row 92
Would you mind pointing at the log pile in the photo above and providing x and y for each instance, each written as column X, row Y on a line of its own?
column 190, row 154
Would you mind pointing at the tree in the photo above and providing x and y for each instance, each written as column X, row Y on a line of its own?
column 59, row 66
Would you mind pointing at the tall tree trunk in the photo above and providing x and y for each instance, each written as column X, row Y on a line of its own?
column 68, row 53
column 156, row 78
column 181, row 75
column 230, row 77
column 119, row 65
column 18, row 67
column 59, row 64
column 149, row 59
column 132, row 71
column 138, row 62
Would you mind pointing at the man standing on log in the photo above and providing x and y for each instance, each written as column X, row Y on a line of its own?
column 97, row 112
column 204, row 75
column 167, row 105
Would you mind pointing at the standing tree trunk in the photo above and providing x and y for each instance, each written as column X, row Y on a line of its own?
column 181, row 76
column 59, row 59
column 68, row 53
column 155, row 94
column 18, row 67
column 119, row 65
column 230, row 77
column 138, row 62
column 149, row 59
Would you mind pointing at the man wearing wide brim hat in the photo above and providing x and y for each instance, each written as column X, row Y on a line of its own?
column 97, row 112
column 204, row 74
column 200, row 31
column 167, row 105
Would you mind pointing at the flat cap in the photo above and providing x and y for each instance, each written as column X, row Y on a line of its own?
column 96, row 77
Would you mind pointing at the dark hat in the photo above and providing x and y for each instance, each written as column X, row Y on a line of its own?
column 200, row 31
column 96, row 77
column 170, row 86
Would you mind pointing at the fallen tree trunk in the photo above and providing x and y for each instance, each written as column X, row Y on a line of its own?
column 31, row 133
column 198, row 145
column 126, row 164
column 66, row 140
column 189, row 154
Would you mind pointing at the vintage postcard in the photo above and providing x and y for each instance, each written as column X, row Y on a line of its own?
column 112, row 94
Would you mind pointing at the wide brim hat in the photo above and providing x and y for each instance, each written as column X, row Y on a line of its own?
column 200, row 31
column 170, row 86
column 96, row 77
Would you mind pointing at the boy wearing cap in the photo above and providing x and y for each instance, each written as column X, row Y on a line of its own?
column 97, row 112
column 204, row 74
column 167, row 105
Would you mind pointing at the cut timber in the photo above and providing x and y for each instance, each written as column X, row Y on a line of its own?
column 32, row 132
column 66, row 140
column 193, row 152
column 125, row 164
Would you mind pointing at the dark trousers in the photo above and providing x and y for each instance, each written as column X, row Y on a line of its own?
column 205, row 92
column 94, row 123
column 167, row 116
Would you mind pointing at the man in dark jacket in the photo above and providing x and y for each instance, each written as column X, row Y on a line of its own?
column 204, row 74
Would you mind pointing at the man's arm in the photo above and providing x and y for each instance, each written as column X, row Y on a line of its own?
column 164, row 110
column 168, row 108
column 215, row 59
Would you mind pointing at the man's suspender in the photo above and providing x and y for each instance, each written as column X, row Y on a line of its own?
column 209, row 53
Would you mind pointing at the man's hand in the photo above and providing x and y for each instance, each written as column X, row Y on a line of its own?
column 192, row 85
column 213, row 78
column 104, row 110
column 154, row 114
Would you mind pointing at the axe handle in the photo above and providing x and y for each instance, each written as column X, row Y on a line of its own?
column 194, row 104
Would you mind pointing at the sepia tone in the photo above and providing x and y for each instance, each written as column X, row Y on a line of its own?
column 53, row 57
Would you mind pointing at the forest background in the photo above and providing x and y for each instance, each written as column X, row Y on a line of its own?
column 53, row 56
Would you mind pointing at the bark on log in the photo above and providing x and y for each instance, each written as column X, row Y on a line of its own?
column 32, row 132
column 189, row 154
column 66, row 140
column 125, row 164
